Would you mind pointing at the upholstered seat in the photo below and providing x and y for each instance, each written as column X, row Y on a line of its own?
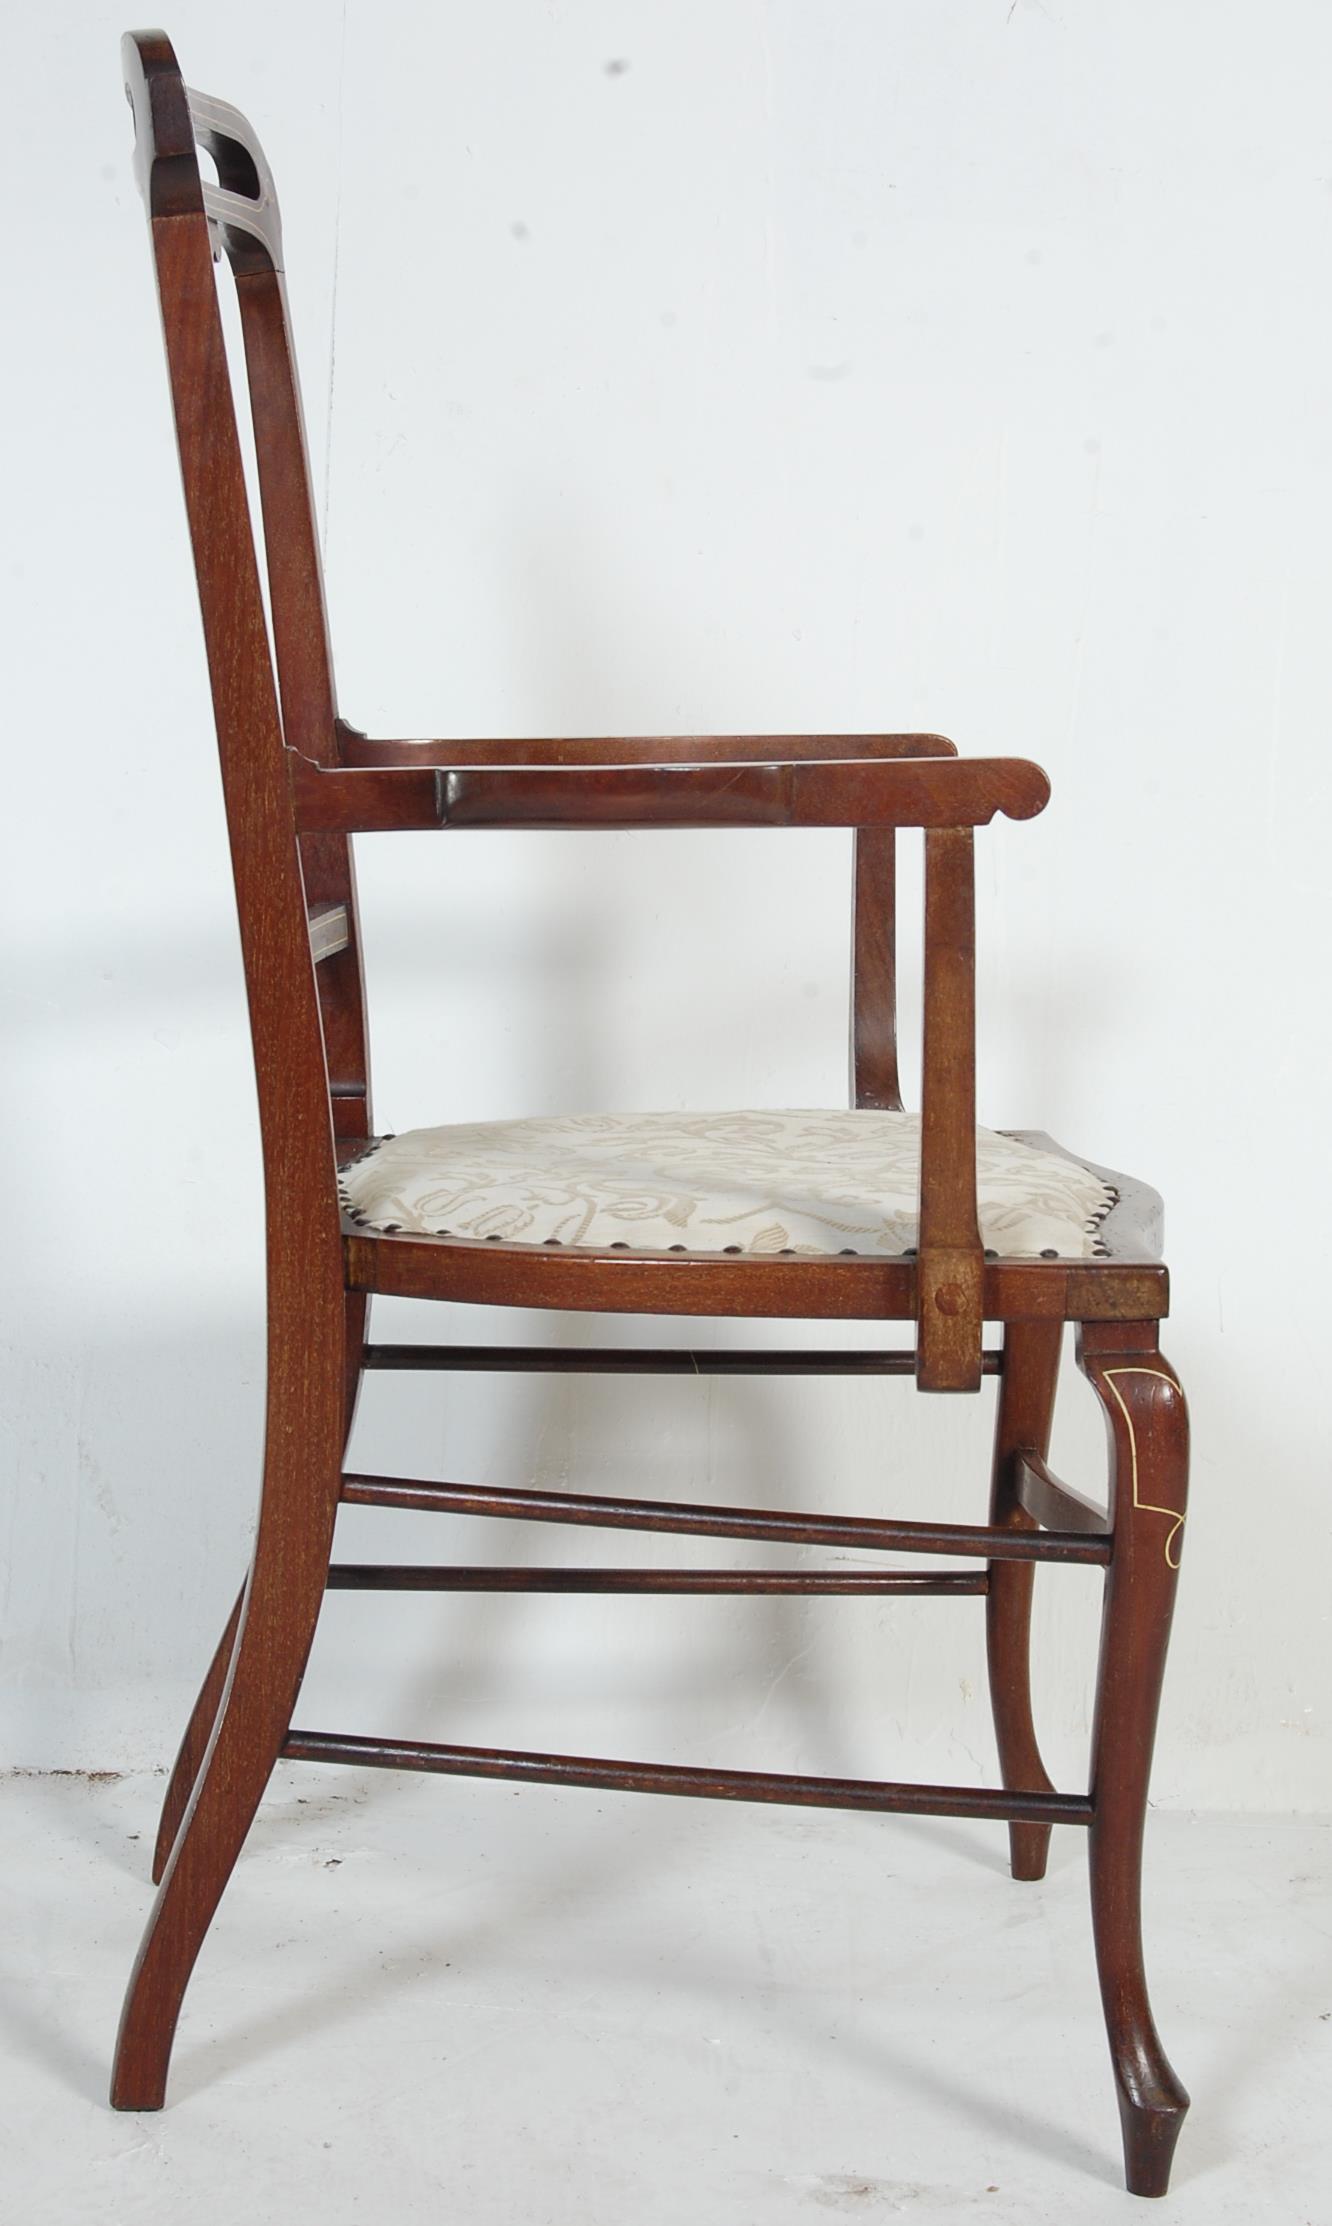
column 754, row 1182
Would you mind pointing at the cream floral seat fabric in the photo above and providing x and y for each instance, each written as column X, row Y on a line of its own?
column 712, row 1182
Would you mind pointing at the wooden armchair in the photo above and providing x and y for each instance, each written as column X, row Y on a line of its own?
column 861, row 1214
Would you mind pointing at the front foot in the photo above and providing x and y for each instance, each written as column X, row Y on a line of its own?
column 1148, row 1424
column 1151, row 2127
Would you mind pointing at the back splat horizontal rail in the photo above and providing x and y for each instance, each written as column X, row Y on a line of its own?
column 597, row 1510
column 702, row 1785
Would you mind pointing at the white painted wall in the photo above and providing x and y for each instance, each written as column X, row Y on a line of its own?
column 942, row 363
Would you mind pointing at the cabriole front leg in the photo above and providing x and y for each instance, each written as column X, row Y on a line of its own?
column 1149, row 1451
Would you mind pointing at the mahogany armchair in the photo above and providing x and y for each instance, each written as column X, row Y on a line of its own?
column 859, row 1214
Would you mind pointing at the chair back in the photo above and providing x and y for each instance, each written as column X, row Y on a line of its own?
column 308, row 1020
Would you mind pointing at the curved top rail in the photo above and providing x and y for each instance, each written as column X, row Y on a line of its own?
column 171, row 123
column 244, row 199
column 166, row 162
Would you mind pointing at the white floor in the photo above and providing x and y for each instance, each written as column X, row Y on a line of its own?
column 430, row 2000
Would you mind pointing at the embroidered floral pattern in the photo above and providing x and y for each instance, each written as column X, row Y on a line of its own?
column 805, row 1182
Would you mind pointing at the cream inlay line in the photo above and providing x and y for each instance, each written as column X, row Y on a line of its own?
column 1145, row 1505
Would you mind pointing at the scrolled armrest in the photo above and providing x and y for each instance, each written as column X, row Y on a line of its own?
column 356, row 749
column 826, row 792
